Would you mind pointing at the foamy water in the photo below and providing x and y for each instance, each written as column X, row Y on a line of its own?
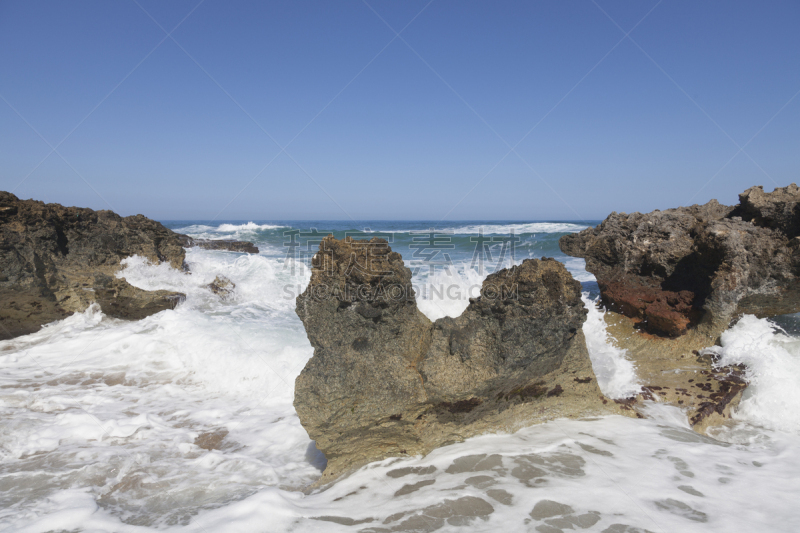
column 615, row 373
column 492, row 229
column 246, row 231
column 533, row 227
column 100, row 420
column 773, row 366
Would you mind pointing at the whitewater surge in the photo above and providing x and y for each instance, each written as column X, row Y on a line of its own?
column 250, row 230
column 772, row 358
column 183, row 421
column 615, row 373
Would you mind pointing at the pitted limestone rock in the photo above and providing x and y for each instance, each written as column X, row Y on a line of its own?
column 386, row 381
column 698, row 267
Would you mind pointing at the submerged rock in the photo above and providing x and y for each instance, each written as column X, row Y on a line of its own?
column 698, row 267
column 222, row 286
column 222, row 244
column 386, row 381
column 57, row 260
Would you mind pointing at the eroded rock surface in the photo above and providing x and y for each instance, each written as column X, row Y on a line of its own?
column 386, row 381
column 56, row 260
column 699, row 266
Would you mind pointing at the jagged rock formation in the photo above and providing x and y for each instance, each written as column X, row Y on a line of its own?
column 699, row 266
column 57, row 260
column 222, row 244
column 779, row 209
column 386, row 381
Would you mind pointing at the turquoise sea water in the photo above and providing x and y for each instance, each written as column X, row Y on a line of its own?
column 429, row 248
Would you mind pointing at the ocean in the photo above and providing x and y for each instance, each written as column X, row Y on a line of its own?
column 183, row 421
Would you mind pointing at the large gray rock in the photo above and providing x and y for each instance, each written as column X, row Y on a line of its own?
column 57, row 260
column 698, row 266
column 386, row 381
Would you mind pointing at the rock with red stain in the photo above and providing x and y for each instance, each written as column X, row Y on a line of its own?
column 698, row 266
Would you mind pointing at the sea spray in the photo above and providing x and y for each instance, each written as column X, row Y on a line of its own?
column 772, row 358
column 446, row 292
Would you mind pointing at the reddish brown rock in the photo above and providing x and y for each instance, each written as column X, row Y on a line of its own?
column 698, row 266
column 665, row 311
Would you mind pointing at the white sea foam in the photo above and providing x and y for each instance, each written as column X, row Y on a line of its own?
column 446, row 292
column 250, row 226
column 226, row 231
column 494, row 229
column 773, row 368
column 616, row 374
column 577, row 267
column 116, row 406
column 195, row 229
column 532, row 227
column 602, row 475
column 100, row 417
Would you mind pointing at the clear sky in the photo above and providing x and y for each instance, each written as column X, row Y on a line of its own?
column 527, row 110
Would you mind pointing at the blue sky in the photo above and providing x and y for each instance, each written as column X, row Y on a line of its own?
column 318, row 110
